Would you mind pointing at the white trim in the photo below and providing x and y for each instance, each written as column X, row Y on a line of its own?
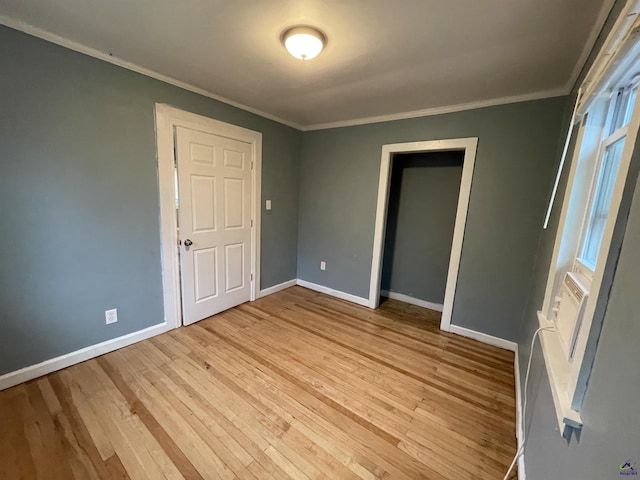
column 558, row 371
column 34, row 371
column 107, row 57
column 167, row 118
column 469, row 146
column 412, row 300
column 521, row 472
column 277, row 288
column 519, row 417
column 484, row 338
column 428, row 112
column 334, row 293
column 168, row 221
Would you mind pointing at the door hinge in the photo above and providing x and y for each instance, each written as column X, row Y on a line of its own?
column 252, row 223
column 252, row 277
column 251, row 164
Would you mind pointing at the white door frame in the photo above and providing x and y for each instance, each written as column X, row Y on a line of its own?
column 167, row 118
column 469, row 147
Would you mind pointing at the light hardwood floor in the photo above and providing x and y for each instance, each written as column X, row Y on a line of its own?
column 295, row 385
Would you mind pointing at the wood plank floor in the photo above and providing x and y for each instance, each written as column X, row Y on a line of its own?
column 295, row 385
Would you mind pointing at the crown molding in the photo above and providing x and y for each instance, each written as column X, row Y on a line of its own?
column 100, row 55
column 105, row 56
column 556, row 92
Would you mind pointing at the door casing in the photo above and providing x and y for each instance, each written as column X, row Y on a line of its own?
column 469, row 147
column 167, row 118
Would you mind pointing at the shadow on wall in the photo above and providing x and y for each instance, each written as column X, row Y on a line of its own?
column 423, row 200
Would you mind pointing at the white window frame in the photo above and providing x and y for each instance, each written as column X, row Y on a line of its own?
column 568, row 377
column 622, row 132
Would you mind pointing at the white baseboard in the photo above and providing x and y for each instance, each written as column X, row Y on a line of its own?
column 513, row 347
column 277, row 288
column 519, row 418
column 334, row 293
column 484, row 338
column 34, row 371
column 438, row 307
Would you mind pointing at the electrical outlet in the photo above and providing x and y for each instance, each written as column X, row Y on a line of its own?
column 323, row 265
column 111, row 316
column 268, row 204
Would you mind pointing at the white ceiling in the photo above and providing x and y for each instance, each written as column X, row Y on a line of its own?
column 383, row 57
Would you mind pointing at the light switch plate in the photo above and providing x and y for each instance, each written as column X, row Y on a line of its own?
column 268, row 205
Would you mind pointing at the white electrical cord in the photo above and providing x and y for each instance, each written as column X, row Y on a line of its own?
column 524, row 402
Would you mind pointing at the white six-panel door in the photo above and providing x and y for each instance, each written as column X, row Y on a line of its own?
column 214, row 221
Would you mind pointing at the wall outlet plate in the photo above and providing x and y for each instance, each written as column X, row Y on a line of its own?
column 323, row 265
column 111, row 316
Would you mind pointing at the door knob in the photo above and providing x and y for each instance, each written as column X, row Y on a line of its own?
column 188, row 243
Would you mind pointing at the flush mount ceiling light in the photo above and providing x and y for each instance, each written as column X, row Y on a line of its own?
column 304, row 42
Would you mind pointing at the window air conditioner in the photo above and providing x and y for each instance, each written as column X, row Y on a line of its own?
column 569, row 310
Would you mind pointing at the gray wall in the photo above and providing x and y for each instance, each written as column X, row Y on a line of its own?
column 79, row 196
column 611, row 434
column 516, row 152
column 423, row 199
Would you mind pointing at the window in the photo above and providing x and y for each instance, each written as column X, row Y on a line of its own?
column 620, row 109
column 607, row 126
column 602, row 200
